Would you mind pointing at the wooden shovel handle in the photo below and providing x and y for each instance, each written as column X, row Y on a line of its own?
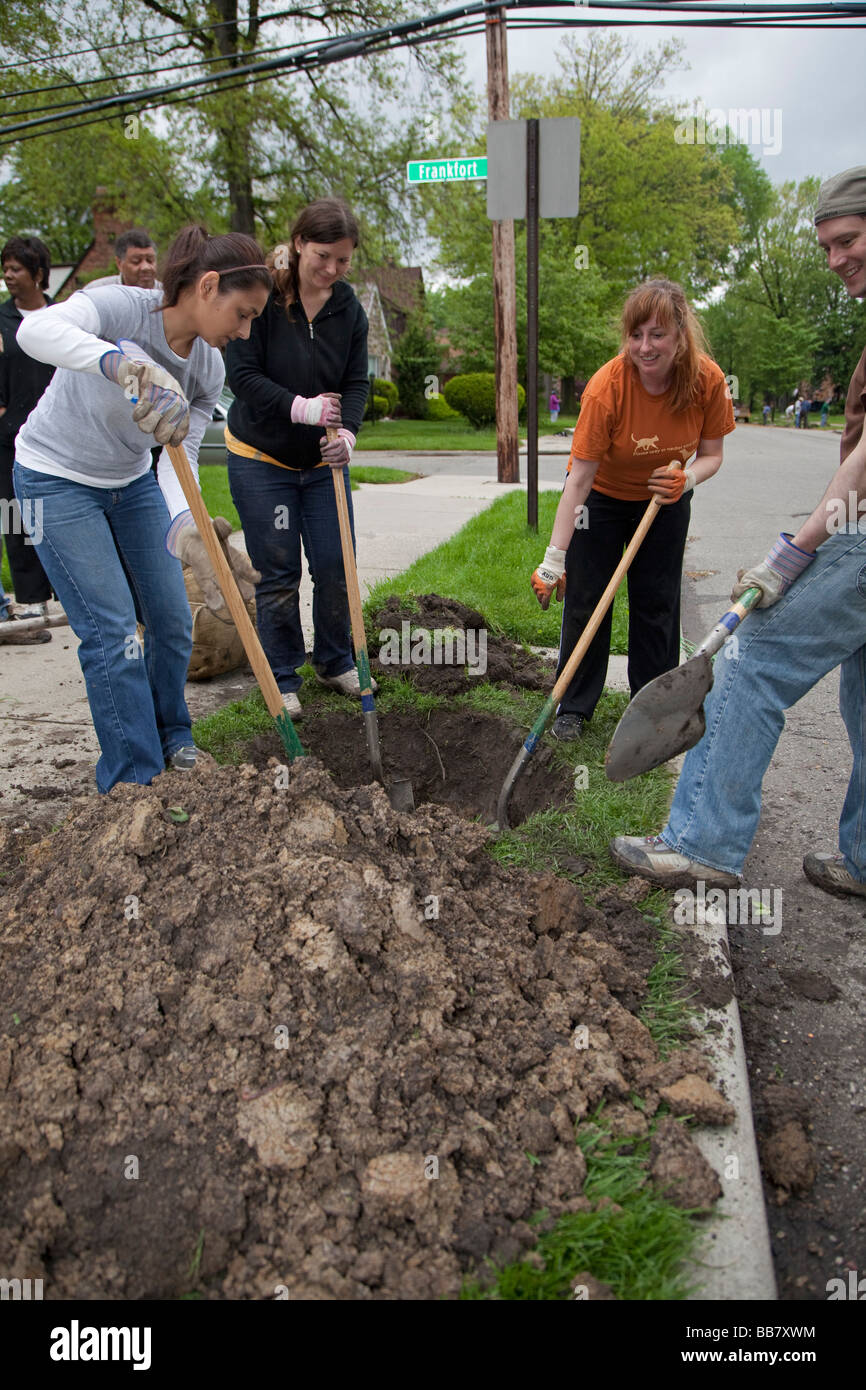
column 607, row 597
column 226, row 580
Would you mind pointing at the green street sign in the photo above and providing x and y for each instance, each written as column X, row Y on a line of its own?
column 465, row 166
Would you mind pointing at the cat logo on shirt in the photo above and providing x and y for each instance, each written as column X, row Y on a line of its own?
column 647, row 446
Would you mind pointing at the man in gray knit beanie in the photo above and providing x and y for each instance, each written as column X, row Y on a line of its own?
column 815, row 584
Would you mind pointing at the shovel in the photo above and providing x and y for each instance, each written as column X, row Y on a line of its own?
column 667, row 716
column 235, row 604
column 565, row 679
column 400, row 792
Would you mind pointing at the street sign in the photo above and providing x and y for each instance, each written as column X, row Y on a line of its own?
column 558, row 168
column 464, row 166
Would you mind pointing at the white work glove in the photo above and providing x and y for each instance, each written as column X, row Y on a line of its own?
column 338, row 452
column 161, row 407
column 185, row 542
column 549, row 578
column 775, row 575
column 317, row 410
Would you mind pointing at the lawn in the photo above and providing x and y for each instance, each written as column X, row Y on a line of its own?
column 432, row 435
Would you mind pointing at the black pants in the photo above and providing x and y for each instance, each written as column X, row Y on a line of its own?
column 28, row 577
column 654, row 581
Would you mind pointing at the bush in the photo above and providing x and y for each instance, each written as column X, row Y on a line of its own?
column 474, row 395
column 380, row 406
column 381, row 387
column 439, row 409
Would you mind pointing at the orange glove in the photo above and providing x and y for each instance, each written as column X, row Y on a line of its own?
column 670, row 486
column 549, row 578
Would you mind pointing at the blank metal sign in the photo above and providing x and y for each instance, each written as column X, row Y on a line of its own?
column 559, row 168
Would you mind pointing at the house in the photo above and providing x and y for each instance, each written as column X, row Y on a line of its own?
column 99, row 256
column 379, row 347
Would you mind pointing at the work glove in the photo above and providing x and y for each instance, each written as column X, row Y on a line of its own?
column 338, row 452
column 185, row 542
column 161, row 408
column 669, row 487
column 775, row 575
column 317, row 410
column 550, row 577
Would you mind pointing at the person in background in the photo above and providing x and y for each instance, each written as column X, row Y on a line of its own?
column 554, row 407
column 805, row 407
column 311, row 339
column 825, row 412
column 26, row 265
column 113, row 538
column 766, row 413
column 662, row 398
column 135, row 258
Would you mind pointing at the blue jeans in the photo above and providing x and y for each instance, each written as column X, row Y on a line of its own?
column 279, row 508
column 780, row 654
column 104, row 552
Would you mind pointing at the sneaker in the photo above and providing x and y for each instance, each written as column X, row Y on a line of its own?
column 32, row 610
column 188, row 757
column 291, row 703
column 347, row 684
column 828, row 871
column 568, row 727
column 649, row 856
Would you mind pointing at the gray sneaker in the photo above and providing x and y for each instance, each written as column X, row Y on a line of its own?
column 649, row 856
column 188, row 757
column 347, row 684
column 828, row 871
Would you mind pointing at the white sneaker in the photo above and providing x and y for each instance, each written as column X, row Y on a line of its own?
column 291, row 703
column 347, row 684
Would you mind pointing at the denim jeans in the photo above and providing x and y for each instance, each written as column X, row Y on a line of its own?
column 780, row 653
column 279, row 508
column 103, row 550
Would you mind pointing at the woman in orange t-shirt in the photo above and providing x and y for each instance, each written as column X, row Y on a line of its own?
column 662, row 398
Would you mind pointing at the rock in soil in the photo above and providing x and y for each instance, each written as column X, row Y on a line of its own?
column 299, row 1043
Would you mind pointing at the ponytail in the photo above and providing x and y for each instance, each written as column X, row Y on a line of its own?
column 325, row 221
column 237, row 258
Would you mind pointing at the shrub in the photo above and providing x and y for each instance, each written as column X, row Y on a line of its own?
column 439, row 409
column 380, row 406
column 416, row 358
column 474, row 395
column 385, row 388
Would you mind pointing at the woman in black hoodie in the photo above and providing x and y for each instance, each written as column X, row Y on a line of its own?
column 303, row 367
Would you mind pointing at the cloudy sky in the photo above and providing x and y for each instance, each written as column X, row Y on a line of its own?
column 814, row 79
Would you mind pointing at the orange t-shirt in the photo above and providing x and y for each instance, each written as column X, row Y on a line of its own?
column 630, row 433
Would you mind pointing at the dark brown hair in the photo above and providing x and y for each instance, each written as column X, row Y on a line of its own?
column 193, row 253
column 326, row 220
column 665, row 301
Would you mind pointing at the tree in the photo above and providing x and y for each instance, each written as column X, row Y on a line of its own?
column 416, row 362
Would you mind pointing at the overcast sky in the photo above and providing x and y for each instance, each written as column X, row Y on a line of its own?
column 816, row 81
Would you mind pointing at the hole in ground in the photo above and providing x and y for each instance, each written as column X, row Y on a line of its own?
column 458, row 758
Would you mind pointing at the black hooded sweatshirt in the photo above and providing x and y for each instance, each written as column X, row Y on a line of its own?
column 286, row 356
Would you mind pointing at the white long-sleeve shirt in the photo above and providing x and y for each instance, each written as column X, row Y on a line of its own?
column 82, row 427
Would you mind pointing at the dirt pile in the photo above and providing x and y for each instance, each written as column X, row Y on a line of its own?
column 262, row 1036
column 437, row 644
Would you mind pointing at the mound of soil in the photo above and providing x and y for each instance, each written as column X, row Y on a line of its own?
column 436, row 667
column 264, row 1037
column 456, row 758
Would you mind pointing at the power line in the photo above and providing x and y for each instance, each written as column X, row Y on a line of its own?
column 322, row 52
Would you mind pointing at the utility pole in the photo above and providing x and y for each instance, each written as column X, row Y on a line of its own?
column 504, row 286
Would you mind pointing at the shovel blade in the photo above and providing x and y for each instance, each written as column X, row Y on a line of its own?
column 663, row 719
column 400, row 795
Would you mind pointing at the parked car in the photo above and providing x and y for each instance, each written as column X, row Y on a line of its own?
column 742, row 413
column 213, row 445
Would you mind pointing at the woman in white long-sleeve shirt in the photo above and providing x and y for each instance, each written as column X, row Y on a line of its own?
column 132, row 363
